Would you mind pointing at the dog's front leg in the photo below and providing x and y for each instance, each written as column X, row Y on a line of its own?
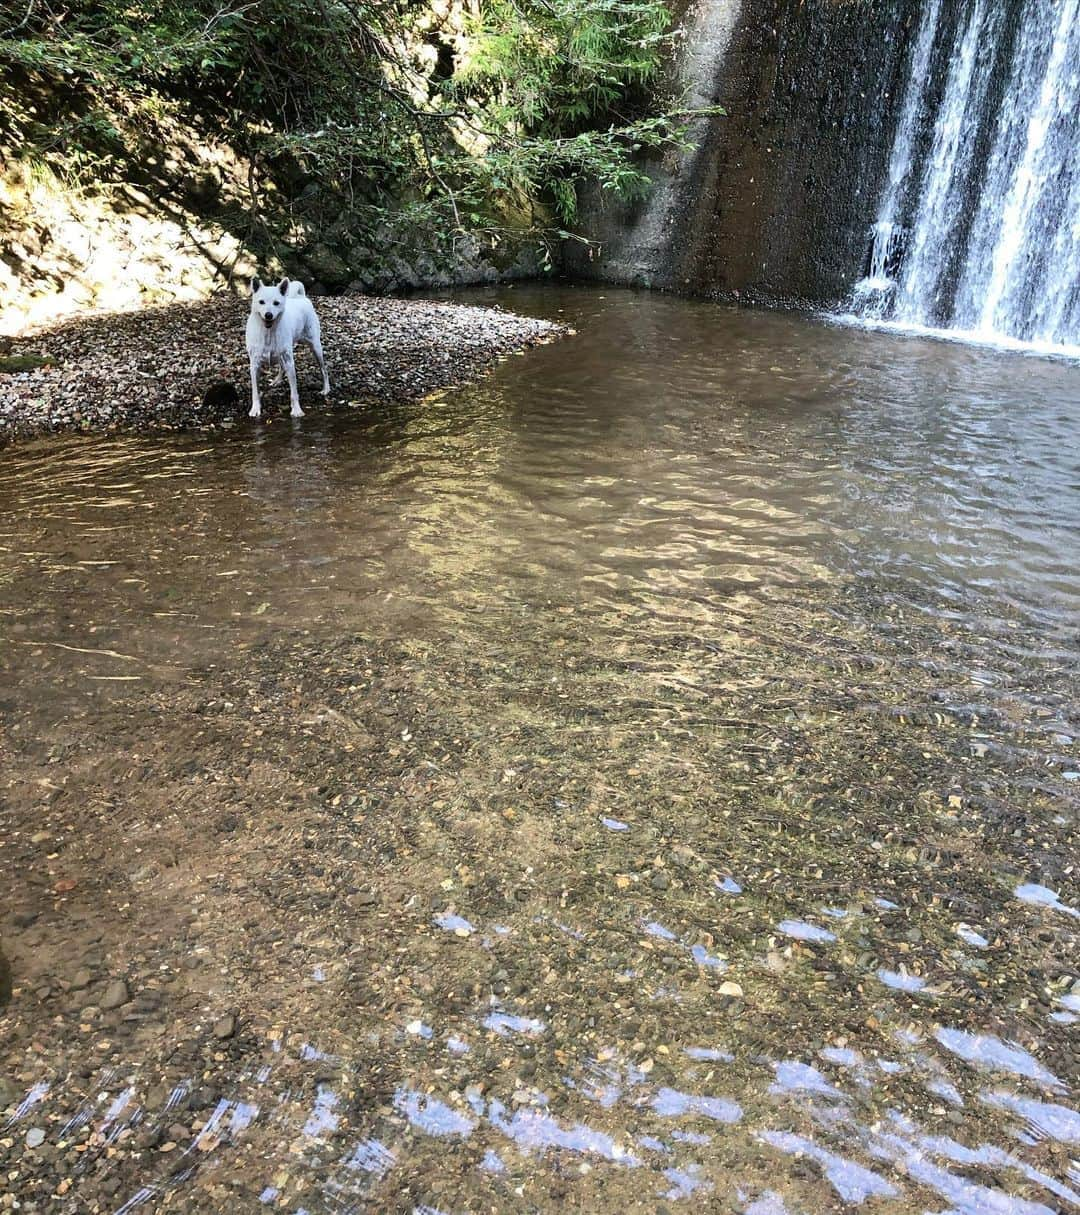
column 256, row 404
column 289, row 363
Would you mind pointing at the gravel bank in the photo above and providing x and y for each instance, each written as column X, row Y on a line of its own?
column 153, row 369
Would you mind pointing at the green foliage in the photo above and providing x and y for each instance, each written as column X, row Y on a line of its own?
column 475, row 120
column 546, row 65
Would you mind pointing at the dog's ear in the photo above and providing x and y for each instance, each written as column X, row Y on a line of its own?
column 256, row 285
column 283, row 286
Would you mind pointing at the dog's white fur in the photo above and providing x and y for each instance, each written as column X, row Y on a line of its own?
column 281, row 315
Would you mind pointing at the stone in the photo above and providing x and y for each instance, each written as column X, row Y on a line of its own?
column 5, row 978
column 660, row 880
column 221, row 397
column 82, row 978
column 149, row 1138
column 22, row 362
column 225, row 1026
column 206, row 1096
column 325, row 264
column 116, row 995
column 35, row 1137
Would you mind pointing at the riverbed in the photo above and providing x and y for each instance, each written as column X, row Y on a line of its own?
column 646, row 776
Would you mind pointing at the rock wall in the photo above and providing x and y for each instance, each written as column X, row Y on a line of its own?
column 65, row 251
column 777, row 201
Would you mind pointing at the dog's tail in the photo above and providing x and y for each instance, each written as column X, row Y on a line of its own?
column 296, row 290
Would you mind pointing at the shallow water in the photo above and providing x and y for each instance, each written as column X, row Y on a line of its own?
column 670, row 454
column 776, row 618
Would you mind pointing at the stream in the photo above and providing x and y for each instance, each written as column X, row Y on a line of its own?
column 646, row 776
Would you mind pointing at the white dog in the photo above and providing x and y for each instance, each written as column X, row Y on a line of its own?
column 281, row 316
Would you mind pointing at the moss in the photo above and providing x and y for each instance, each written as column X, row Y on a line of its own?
column 22, row 362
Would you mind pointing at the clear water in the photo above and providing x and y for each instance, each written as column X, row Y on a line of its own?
column 708, row 593
column 672, row 452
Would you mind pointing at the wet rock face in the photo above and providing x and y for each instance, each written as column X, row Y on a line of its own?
column 778, row 200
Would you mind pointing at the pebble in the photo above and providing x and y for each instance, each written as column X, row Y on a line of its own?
column 116, row 995
column 35, row 1137
column 225, row 1027
column 149, row 1138
column 660, row 881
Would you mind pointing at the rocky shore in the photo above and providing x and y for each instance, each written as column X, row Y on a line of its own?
column 184, row 365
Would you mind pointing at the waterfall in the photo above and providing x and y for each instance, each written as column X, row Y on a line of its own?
column 977, row 230
column 875, row 290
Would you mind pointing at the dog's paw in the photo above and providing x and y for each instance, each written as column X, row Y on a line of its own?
column 325, row 391
column 255, row 412
column 296, row 412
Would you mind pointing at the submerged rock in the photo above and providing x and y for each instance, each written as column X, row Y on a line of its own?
column 5, row 977
column 82, row 978
column 116, row 995
column 225, row 1026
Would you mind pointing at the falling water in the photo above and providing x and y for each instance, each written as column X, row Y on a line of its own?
column 978, row 227
column 886, row 232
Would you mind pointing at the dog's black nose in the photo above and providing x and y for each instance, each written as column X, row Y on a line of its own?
column 268, row 317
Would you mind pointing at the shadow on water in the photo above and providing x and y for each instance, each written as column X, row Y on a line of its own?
column 649, row 774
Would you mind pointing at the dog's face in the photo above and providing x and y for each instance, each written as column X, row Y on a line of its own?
column 267, row 300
